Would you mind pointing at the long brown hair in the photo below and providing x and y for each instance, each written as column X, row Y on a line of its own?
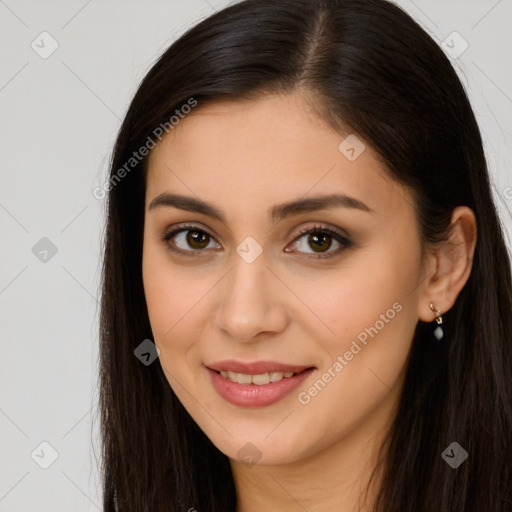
column 371, row 67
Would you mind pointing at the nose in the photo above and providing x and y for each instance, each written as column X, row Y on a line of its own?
column 251, row 301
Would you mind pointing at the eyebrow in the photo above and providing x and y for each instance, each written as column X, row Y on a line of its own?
column 276, row 213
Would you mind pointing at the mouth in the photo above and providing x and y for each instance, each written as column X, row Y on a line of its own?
column 255, row 367
column 256, row 384
column 260, row 379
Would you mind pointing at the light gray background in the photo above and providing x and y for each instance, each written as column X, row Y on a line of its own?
column 58, row 119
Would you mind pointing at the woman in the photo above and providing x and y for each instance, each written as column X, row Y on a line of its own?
column 300, row 220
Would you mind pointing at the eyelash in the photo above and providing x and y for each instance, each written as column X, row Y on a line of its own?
column 338, row 236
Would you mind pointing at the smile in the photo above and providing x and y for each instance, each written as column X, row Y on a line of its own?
column 260, row 379
column 258, row 389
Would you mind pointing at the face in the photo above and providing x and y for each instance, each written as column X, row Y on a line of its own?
column 329, row 289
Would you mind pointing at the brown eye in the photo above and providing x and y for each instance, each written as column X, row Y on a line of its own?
column 188, row 240
column 197, row 239
column 318, row 240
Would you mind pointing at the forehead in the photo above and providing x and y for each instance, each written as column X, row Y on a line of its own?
column 252, row 153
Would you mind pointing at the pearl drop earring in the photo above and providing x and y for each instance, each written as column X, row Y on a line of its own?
column 438, row 333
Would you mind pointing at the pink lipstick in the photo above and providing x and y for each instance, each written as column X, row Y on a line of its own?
column 257, row 384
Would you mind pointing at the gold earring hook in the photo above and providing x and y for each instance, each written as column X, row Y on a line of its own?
column 439, row 317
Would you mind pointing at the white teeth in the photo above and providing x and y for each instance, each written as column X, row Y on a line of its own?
column 275, row 376
column 259, row 380
column 241, row 378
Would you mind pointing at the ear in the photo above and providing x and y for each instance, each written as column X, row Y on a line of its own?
column 449, row 265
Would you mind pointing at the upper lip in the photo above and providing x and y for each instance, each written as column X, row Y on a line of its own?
column 256, row 367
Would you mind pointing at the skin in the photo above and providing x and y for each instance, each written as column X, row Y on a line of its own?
column 245, row 157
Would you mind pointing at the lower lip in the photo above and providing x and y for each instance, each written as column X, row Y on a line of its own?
column 252, row 395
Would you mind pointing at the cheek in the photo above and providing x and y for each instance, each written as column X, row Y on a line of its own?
column 169, row 293
column 354, row 297
column 175, row 297
column 368, row 313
